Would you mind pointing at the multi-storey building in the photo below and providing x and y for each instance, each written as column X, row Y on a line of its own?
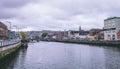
column 118, row 35
column 81, row 34
column 95, row 34
column 111, row 28
column 3, row 31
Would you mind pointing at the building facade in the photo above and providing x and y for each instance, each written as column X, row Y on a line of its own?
column 11, row 34
column 3, row 31
column 95, row 34
column 81, row 34
column 111, row 28
column 73, row 34
column 118, row 35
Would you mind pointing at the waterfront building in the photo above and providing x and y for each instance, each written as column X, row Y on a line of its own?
column 73, row 34
column 101, row 35
column 95, row 34
column 61, row 35
column 17, row 35
column 81, row 34
column 111, row 28
column 118, row 35
column 3, row 31
column 11, row 34
column 33, row 34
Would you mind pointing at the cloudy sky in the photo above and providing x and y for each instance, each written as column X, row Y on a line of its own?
column 57, row 14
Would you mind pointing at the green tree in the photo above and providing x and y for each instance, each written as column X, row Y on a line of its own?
column 23, row 34
column 37, row 38
column 44, row 35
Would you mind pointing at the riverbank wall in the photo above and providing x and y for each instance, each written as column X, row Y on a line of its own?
column 7, row 50
column 99, row 43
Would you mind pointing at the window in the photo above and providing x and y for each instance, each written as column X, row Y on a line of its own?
column 108, row 35
column 109, row 31
column 105, row 31
column 113, row 24
column 113, row 37
column 113, row 31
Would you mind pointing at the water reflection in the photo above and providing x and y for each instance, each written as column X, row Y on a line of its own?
column 14, row 59
column 112, row 58
column 52, row 55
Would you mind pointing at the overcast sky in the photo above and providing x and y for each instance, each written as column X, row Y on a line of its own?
column 58, row 14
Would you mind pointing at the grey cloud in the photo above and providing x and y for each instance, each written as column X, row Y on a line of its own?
column 10, row 8
column 14, row 3
column 7, row 13
column 56, row 14
column 76, row 7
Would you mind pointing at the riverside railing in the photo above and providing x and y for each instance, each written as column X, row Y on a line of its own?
column 4, row 43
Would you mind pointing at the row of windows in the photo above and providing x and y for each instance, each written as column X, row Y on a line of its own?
column 111, row 21
column 113, row 31
column 109, row 25
column 111, row 35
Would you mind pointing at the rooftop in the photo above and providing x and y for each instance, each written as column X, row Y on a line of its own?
column 3, row 25
column 112, row 18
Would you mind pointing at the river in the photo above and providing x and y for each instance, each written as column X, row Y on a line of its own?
column 53, row 55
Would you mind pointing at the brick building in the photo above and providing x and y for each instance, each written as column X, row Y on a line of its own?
column 118, row 35
column 96, row 34
column 3, row 31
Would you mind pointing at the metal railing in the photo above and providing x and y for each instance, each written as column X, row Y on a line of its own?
column 4, row 43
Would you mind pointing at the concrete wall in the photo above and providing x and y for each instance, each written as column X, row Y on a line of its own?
column 4, row 51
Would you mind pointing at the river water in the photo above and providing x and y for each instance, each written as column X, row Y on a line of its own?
column 53, row 55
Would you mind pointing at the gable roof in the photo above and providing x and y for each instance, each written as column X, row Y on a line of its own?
column 2, row 25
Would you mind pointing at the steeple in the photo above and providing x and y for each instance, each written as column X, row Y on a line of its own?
column 79, row 29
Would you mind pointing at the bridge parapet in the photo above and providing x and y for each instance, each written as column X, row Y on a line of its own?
column 8, row 49
column 4, row 43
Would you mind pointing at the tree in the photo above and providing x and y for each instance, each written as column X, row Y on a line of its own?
column 37, row 38
column 23, row 34
column 44, row 35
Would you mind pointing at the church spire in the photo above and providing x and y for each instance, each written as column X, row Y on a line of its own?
column 79, row 29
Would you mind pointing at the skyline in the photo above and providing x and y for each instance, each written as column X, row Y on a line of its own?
column 58, row 14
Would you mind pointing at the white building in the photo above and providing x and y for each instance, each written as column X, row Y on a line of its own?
column 73, row 34
column 81, row 35
column 111, row 28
